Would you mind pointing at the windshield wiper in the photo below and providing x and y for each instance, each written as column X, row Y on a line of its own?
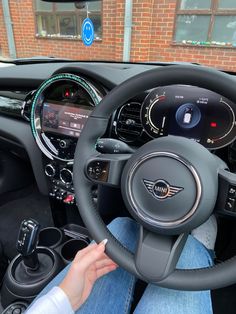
column 40, row 59
column 44, row 59
column 172, row 63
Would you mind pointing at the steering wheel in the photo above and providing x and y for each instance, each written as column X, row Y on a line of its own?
column 170, row 185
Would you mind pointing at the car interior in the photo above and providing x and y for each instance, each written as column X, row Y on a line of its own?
column 85, row 142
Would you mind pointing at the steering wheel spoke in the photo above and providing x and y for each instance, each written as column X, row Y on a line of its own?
column 106, row 169
column 157, row 255
column 226, row 201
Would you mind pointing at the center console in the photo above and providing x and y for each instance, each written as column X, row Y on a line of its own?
column 42, row 255
column 60, row 181
column 60, row 108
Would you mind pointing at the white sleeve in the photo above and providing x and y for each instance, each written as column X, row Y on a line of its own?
column 54, row 302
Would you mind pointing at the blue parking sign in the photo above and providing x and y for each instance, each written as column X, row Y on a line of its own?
column 87, row 32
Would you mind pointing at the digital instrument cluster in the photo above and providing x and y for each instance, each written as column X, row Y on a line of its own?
column 191, row 112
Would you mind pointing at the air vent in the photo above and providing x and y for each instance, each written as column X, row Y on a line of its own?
column 26, row 108
column 128, row 125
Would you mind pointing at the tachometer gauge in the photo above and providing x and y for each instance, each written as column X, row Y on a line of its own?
column 154, row 114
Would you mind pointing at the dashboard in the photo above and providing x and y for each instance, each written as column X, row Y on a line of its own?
column 64, row 102
column 53, row 106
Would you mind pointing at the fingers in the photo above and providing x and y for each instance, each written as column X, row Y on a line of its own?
column 104, row 262
column 91, row 256
column 81, row 253
column 88, row 249
column 105, row 270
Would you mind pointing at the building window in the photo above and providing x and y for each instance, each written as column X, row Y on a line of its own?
column 64, row 20
column 206, row 23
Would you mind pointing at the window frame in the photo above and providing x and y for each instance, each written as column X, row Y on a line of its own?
column 212, row 12
column 57, row 14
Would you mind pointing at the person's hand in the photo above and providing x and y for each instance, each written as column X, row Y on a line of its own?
column 88, row 265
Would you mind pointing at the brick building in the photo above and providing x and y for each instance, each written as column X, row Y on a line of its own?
column 201, row 31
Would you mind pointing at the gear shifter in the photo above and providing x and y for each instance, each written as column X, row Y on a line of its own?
column 27, row 241
column 31, row 270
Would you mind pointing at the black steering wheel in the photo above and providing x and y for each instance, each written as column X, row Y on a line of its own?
column 170, row 185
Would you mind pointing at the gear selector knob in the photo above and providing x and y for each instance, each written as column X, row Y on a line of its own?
column 27, row 242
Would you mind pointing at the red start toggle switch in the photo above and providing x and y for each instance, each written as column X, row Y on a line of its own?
column 69, row 199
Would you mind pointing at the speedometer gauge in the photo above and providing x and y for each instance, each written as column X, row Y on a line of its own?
column 191, row 112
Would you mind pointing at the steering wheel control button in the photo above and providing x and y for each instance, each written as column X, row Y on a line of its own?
column 230, row 200
column 161, row 189
column 230, row 204
column 232, row 192
column 98, row 170
column 50, row 170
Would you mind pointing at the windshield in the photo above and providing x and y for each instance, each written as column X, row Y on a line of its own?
column 196, row 31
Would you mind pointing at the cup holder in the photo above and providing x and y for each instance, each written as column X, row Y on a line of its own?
column 71, row 247
column 50, row 237
column 54, row 238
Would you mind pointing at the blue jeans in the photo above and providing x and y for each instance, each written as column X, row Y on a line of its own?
column 113, row 293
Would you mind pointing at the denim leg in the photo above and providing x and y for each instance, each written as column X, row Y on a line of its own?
column 113, row 293
column 157, row 300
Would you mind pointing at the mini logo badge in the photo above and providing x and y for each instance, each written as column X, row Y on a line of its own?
column 161, row 189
